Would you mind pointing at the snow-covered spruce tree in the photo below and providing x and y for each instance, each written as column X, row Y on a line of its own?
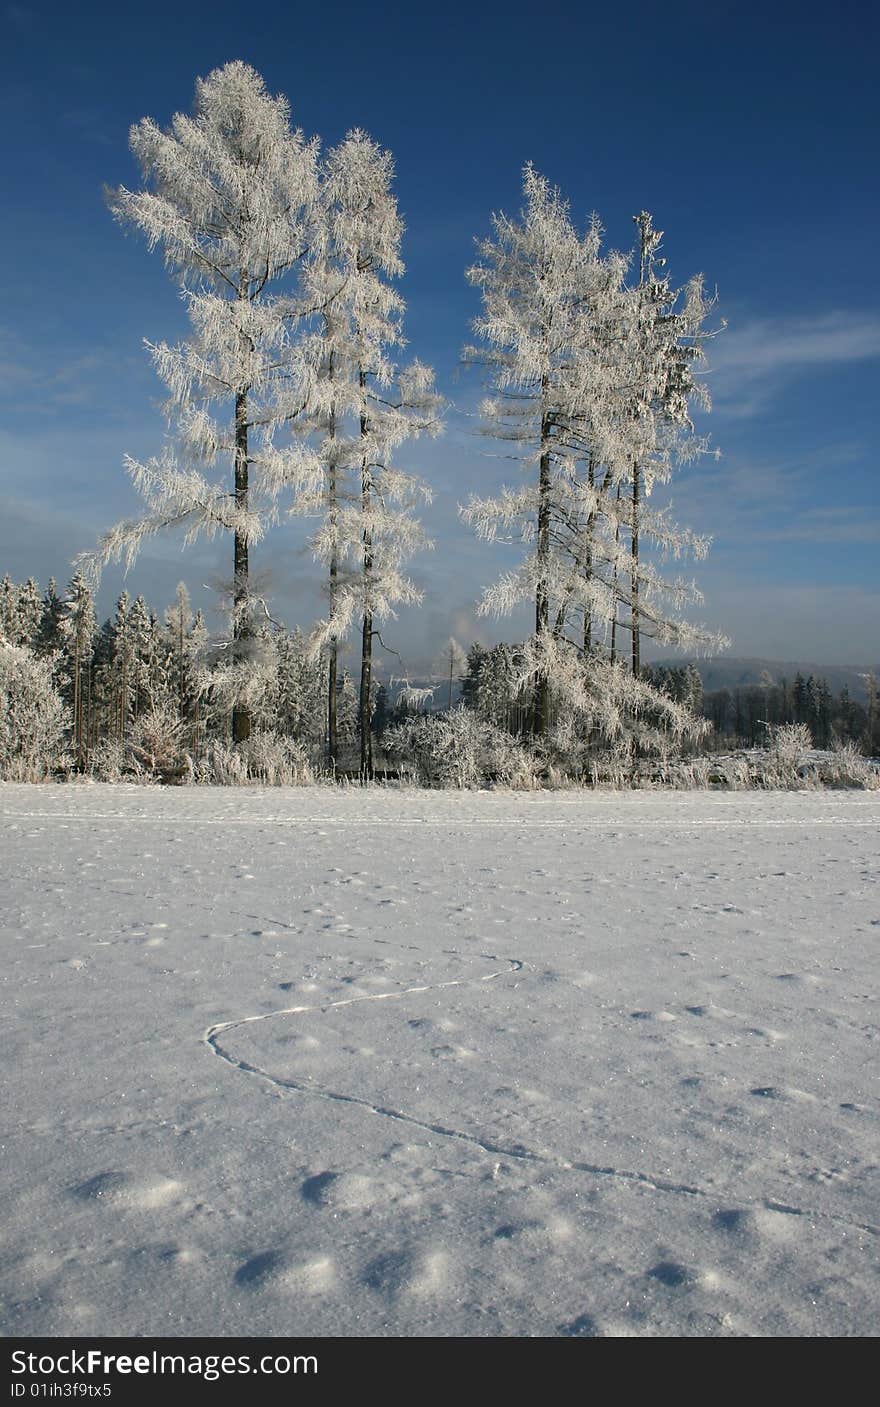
column 366, row 406
column 21, row 611
column 49, row 635
column 230, row 198
column 301, row 690
column 8, row 609
column 78, row 627
column 179, row 651
column 560, row 328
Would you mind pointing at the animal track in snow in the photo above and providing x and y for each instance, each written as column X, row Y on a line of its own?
column 353, row 1192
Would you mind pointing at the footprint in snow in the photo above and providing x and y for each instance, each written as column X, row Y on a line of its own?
column 670, row 1274
column 584, row 1327
column 316, row 1188
column 260, row 1268
column 117, row 1189
column 389, row 1274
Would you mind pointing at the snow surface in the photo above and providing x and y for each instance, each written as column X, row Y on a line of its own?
column 352, row 1062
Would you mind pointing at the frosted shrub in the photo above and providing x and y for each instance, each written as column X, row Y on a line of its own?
column 153, row 751
column 33, row 717
column 685, row 773
column 276, row 761
column 155, row 745
column 612, row 767
column 458, row 749
column 736, row 773
column 107, row 761
column 220, row 765
column 266, row 759
column 846, row 767
column 790, row 743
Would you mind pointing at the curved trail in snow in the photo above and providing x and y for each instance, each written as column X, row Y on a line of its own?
column 516, row 1151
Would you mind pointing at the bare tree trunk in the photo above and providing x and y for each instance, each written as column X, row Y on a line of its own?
column 333, row 662
column 634, row 574
column 588, row 566
column 643, row 221
column 77, row 702
column 241, row 625
column 123, row 701
column 614, row 586
column 332, row 707
column 364, row 718
column 181, row 693
column 88, row 709
column 541, row 719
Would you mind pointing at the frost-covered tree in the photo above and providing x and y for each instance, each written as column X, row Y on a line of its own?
column 365, row 407
column 120, row 680
column 30, row 612
column 9, row 610
column 78, row 627
column 21, row 611
column 34, row 720
column 50, row 634
column 592, row 397
column 229, row 197
column 493, row 687
column 178, row 627
column 546, row 296
column 663, row 331
column 301, row 701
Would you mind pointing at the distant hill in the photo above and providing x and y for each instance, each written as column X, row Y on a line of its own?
column 739, row 673
column 717, row 673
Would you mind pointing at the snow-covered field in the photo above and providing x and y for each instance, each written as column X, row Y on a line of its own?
column 330, row 1062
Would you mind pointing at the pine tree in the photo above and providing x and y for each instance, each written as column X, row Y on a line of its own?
column 50, row 635
column 30, row 613
column 230, row 198
column 122, row 668
column 8, row 610
column 301, row 689
column 178, row 623
column 78, row 626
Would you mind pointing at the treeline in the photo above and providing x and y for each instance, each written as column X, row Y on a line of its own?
column 141, row 672
column 742, row 717
column 747, row 715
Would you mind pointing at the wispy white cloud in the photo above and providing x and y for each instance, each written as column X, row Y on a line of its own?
column 56, row 378
column 749, row 364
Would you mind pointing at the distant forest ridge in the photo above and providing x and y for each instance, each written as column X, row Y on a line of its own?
column 721, row 673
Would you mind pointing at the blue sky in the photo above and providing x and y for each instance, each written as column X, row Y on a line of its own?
column 750, row 131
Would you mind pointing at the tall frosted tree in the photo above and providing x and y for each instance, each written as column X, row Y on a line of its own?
column 365, row 407
column 547, row 297
column 587, row 400
column 664, row 331
column 229, row 196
